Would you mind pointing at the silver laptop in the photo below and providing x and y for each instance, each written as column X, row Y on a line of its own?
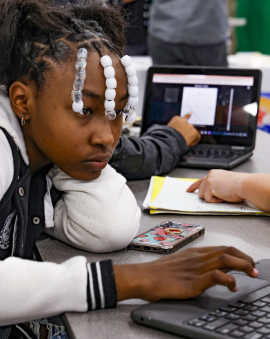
column 223, row 103
column 217, row 313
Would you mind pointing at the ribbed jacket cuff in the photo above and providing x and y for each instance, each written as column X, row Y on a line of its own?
column 101, row 288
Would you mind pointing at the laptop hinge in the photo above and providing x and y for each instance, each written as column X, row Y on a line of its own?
column 238, row 147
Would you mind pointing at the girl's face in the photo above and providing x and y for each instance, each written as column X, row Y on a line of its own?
column 80, row 145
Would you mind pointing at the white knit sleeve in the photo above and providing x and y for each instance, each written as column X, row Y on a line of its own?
column 31, row 290
column 6, row 165
column 101, row 215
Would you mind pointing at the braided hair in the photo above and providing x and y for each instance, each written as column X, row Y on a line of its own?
column 35, row 35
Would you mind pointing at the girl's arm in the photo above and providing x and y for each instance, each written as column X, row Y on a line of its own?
column 101, row 215
column 221, row 185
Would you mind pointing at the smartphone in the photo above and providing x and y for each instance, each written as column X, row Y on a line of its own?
column 167, row 237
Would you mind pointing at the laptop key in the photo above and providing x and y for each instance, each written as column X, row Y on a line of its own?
column 218, row 313
column 254, row 335
column 216, row 324
column 228, row 309
column 208, row 318
column 258, row 313
column 250, row 308
column 264, row 330
column 266, row 300
column 255, row 324
column 249, row 317
column 266, row 309
column 264, row 320
column 237, row 304
column 259, row 304
column 200, row 323
column 237, row 334
column 227, row 329
column 246, row 329
column 240, row 322
column 241, row 312
column 232, row 316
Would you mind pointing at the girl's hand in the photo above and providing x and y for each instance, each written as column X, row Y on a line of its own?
column 182, row 275
column 220, row 186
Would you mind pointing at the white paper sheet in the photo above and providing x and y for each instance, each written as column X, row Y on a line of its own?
column 173, row 196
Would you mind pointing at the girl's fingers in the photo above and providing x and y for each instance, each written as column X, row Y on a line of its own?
column 195, row 185
column 187, row 116
column 216, row 277
column 219, row 251
column 226, row 261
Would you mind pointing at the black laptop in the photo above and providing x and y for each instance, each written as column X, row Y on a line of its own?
column 224, row 104
column 217, row 313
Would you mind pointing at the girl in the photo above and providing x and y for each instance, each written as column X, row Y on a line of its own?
column 39, row 46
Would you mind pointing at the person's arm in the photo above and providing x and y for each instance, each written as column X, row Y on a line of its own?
column 101, row 215
column 156, row 152
column 221, row 185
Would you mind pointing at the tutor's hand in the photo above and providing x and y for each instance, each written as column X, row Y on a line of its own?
column 182, row 275
column 219, row 185
column 189, row 132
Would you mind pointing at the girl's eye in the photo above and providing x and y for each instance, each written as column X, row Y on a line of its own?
column 86, row 111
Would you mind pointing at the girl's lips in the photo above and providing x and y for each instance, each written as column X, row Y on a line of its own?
column 96, row 165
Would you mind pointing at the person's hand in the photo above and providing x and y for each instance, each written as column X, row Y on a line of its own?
column 182, row 275
column 189, row 132
column 219, row 186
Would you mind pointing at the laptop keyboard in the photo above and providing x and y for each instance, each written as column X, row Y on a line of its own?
column 248, row 318
column 214, row 153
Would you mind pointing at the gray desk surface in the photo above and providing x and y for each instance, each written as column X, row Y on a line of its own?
column 250, row 234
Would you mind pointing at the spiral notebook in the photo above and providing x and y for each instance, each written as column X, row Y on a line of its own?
column 168, row 195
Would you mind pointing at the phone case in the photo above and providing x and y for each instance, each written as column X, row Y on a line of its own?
column 166, row 238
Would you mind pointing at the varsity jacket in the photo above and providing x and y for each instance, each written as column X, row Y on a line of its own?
column 32, row 290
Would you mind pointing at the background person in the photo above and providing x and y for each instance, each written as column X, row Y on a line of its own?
column 185, row 32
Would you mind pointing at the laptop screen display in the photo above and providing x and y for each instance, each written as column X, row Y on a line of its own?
column 223, row 108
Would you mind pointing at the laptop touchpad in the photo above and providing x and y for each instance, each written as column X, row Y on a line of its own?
column 244, row 283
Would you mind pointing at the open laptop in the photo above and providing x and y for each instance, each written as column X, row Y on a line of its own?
column 217, row 313
column 224, row 104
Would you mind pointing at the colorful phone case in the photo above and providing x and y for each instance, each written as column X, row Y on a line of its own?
column 166, row 238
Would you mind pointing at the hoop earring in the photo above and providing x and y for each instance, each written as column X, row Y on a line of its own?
column 22, row 121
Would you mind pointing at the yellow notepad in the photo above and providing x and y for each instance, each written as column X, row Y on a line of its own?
column 168, row 195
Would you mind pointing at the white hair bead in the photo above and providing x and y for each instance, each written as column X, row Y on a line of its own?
column 111, row 83
column 80, row 63
column 133, row 101
column 106, row 61
column 110, row 94
column 126, row 61
column 130, row 70
column 82, row 53
column 110, row 115
column 77, row 106
column 109, row 105
column 109, row 72
column 133, row 81
column 133, row 91
column 131, row 118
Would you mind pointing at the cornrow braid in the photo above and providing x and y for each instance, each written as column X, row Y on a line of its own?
column 35, row 35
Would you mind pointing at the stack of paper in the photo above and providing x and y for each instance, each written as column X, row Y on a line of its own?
column 168, row 195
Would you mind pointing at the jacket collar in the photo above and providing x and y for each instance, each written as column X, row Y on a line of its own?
column 10, row 122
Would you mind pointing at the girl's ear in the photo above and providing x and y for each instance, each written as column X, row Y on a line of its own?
column 20, row 96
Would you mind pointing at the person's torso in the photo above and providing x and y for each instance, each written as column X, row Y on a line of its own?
column 191, row 22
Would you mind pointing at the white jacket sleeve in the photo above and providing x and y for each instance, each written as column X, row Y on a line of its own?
column 100, row 216
column 6, row 165
column 31, row 290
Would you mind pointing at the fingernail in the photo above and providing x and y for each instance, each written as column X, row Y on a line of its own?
column 255, row 272
column 235, row 289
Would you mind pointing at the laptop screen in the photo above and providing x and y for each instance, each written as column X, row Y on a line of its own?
column 223, row 107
